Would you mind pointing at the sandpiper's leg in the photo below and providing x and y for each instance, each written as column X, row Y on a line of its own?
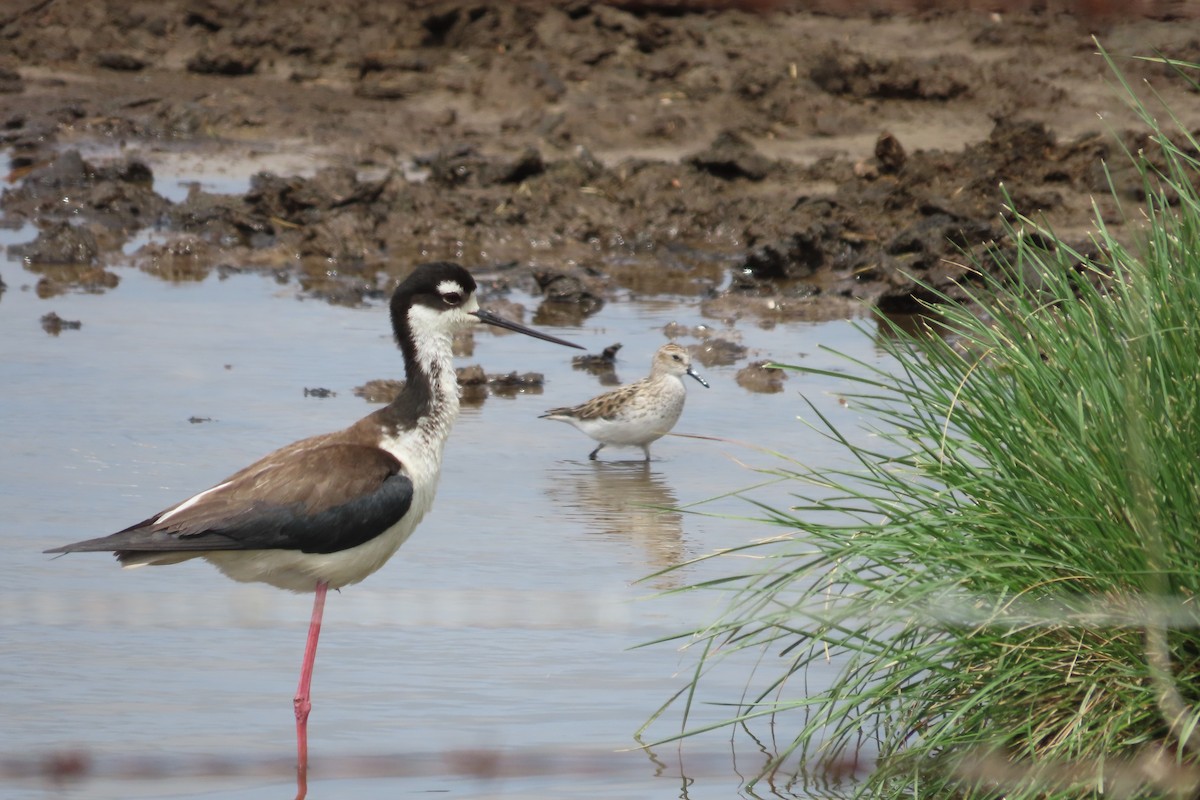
column 646, row 450
column 302, row 703
column 592, row 455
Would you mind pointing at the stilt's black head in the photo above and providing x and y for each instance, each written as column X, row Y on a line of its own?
column 444, row 293
column 438, row 285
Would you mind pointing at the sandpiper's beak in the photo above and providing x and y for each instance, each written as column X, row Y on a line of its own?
column 500, row 322
column 696, row 375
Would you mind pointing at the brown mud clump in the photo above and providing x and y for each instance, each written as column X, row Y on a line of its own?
column 581, row 152
column 761, row 378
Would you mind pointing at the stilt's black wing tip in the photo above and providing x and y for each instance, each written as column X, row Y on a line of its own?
column 104, row 544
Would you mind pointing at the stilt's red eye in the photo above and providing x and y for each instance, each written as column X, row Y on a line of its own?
column 452, row 298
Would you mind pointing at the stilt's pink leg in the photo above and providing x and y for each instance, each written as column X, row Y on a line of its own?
column 302, row 703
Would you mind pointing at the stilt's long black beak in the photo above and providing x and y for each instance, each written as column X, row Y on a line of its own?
column 696, row 375
column 500, row 322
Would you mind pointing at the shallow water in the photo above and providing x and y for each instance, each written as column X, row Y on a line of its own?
column 491, row 658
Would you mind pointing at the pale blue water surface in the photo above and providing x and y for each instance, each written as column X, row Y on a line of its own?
column 506, row 625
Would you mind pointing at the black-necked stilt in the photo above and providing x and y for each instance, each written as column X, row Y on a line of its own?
column 329, row 510
column 640, row 412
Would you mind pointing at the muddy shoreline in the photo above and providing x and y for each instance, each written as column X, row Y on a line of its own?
column 782, row 164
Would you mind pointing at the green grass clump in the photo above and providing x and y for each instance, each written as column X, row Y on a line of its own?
column 1002, row 584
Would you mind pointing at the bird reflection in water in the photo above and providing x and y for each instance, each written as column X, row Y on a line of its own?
column 625, row 501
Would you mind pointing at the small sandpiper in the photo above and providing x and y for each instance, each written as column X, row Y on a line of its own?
column 638, row 413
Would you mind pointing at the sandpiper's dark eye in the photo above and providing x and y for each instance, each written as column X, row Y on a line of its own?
column 452, row 298
column 677, row 357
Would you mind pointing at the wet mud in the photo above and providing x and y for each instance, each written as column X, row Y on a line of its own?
column 779, row 161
